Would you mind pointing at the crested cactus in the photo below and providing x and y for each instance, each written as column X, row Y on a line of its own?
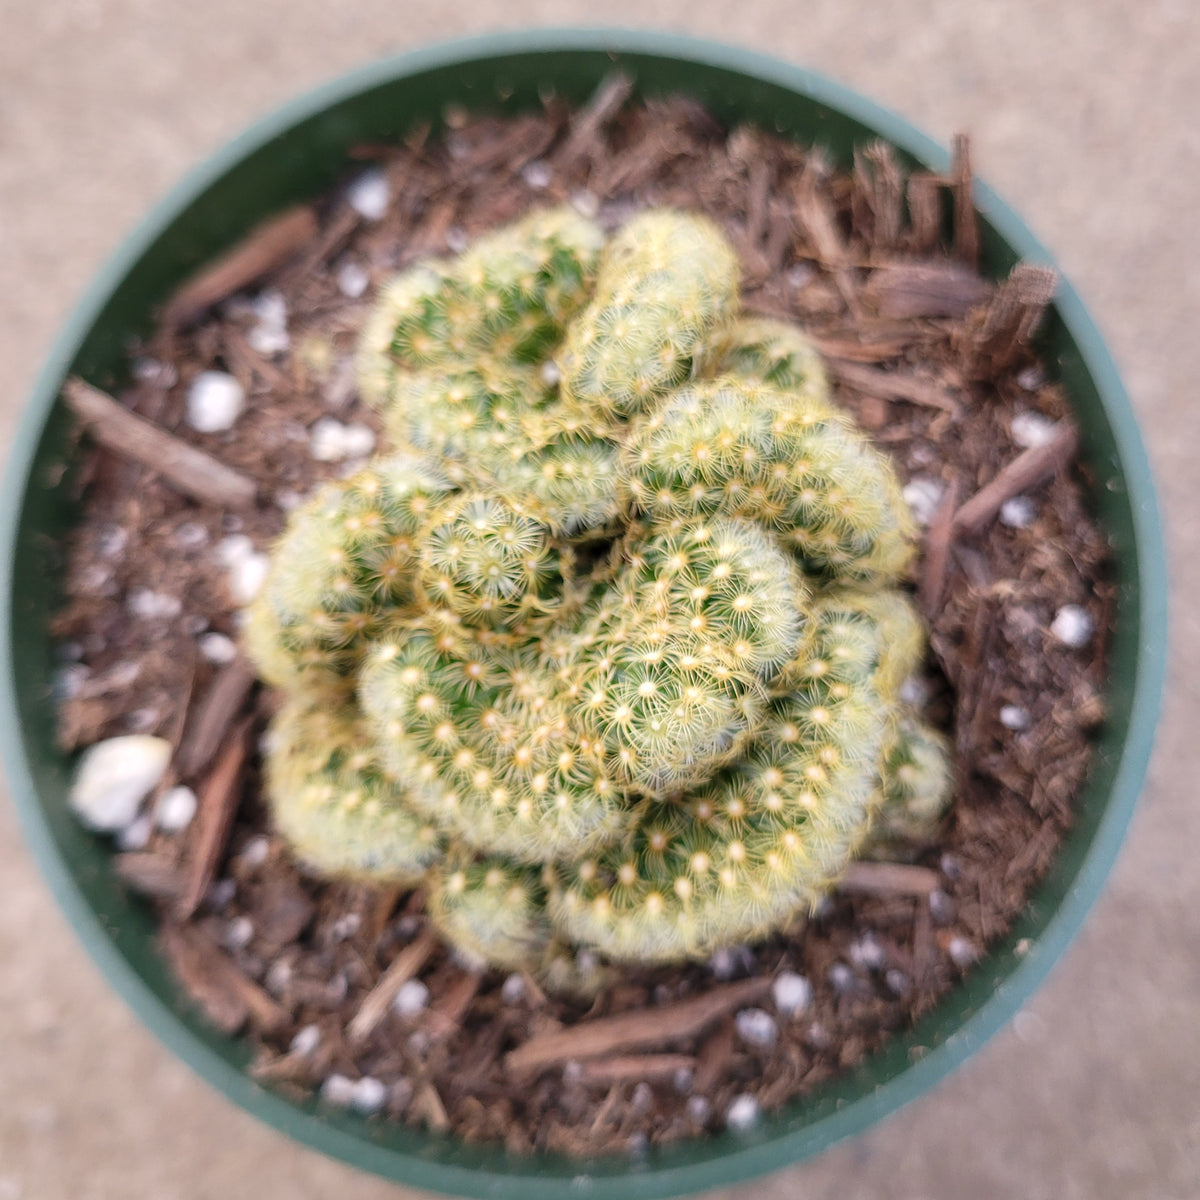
column 610, row 652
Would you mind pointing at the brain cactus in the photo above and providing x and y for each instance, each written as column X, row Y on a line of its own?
column 608, row 651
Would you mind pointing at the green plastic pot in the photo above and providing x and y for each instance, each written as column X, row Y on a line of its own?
column 295, row 154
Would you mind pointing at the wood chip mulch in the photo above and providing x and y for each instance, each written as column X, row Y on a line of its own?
column 934, row 360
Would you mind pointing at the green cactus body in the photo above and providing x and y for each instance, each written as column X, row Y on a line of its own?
column 340, row 571
column 630, row 636
column 491, row 910
column 666, row 280
column 508, row 297
column 669, row 670
column 489, row 564
column 769, row 352
column 793, row 465
column 330, row 797
column 915, row 788
column 485, row 740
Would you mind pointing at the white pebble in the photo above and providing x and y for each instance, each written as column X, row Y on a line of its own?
column 234, row 549
column 148, row 605
column 743, row 1113
column 923, row 495
column 239, row 933
column 897, row 981
column 353, row 279
column 256, row 852
column 217, row 648
column 270, row 336
column 866, row 953
column 190, row 535
column 1072, row 625
column 941, row 907
column 800, row 275
column 411, row 999
column 370, row 1095
column 699, row 1108
column 1031, row 378
column 220, row 894
column 1030, row 429
column 112, row 540
column 842, row 977
column 1019, row 512
column 756, row 1027
column 279, row 976
column 1013, row 717
column 915, row 691
column 214, row 402
column 175, row 810
column 143, row 719
column 408, row 926
column 247, row 576
column 512, row 991
column 536, row 174
column 345, row 927
column 150, row 370
column 339, row 1090
column 683, row 1080
column 305, row 1041
column 792, row 993
column 728, row 962
column 961, row 952
column 286, row 500
column 572, row 1073
column 114, row 777
column 642, row 1098
column 369, row 194
column 586, row 204
column 136, row 835
column 332, row 441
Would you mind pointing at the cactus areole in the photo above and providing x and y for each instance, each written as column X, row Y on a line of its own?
column 607, row 649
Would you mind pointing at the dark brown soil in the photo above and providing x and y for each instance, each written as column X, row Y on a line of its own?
column 931, row 358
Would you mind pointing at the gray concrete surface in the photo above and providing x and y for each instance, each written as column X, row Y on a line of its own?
column 1083, row 115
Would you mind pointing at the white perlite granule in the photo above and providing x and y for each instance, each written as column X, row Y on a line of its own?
column 114, row 777
column 1072, row 625
column 369, row 195
column 792, row 993
column 214, row 402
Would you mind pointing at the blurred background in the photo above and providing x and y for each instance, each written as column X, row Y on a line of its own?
column 1082, row 115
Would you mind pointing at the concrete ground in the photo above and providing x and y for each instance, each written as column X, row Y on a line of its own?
column 1083, row 115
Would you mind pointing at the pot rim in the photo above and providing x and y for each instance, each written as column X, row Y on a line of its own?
column 733, row 1159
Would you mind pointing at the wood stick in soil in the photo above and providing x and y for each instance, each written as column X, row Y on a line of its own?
column 636, row 1068
column 219, row 799
column 1030, row 468
column 937, row 553
column 221, row 706
column 896, row 385
column 188, row 470
column 267, row 246
column 605, row 103
column 633, row 1030
column 888, row 879
column 379, row 999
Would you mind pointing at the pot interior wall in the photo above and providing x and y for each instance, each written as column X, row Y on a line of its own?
column 295, row 156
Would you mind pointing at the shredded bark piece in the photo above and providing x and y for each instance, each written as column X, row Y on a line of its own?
column 150, row 873
column 896, row 385
column 221, row 705
column 637, row 1068
column 887, row 878
column 188, row 470
column 1000, row 335
column 629, row 1031
column 936, row 559
column 218, row 805
column 924, row 289
column 267, row 246
column 606, row 102
column 406, row 965
column 966, row 219
column 1029, row 469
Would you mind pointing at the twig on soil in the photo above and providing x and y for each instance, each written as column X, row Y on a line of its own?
column 379, row 999
column 267, row 246
column 218, row 805
column 895, row 385
column 1030, row 468
column 221, row 705
column 937, row 552
column 636, row 1068
column 998, row 337
column 605, row 103
column 632, row 1030
column 186, row 469
column 888, row 879
column 816, row 218
column 445, row 1018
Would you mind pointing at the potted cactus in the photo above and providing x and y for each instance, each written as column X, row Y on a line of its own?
column 630, row 683
column 603, row 651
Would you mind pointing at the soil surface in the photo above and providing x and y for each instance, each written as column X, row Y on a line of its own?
column 936, row 362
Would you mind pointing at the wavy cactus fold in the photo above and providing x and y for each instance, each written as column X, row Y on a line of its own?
column 609, row 652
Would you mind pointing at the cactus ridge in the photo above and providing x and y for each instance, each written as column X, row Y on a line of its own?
column 610, row 653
